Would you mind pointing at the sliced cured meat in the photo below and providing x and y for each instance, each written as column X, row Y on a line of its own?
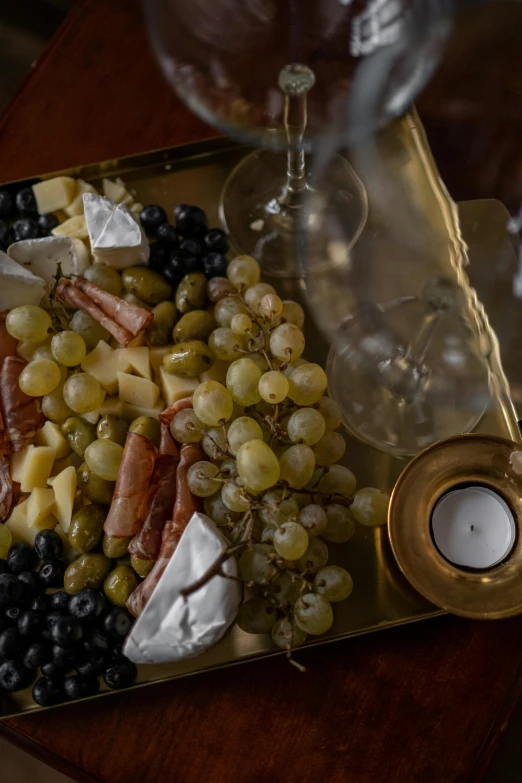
column 76, row 298
column 7, row 343
column 133, row 318
column 22, row 414
column 168, row 414
column 7, row 494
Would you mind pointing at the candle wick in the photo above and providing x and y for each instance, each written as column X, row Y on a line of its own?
column 472, row 527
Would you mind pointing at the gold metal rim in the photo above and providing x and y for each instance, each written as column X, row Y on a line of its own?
column 464, row 459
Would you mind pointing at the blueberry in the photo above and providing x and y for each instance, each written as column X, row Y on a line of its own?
column 183, row 262
column 12, row 615
column 216, row 241
column 26, row 202
column 159, row 256
column 25, row 228
column 40, row 603
column 31, row 585
column 46, row 223
column 48, row 545
column 31, row 624
column 166, row 234
column 51, row 574
column 64, row 657
column 21, row 558
column 117, row 623
column 97, row 640
column 91, row 664
column 191, row 222
column 192, row 246
column 179, row 209
column 151, row 217
column 11, row 644
column 37, row 654
column 4, row 568
column 87, row 604
column 60, row 602
column 11, row 590
column 80, row 687
column 47, row 692
column 5, row 230
column 14, row 676
column 66, row 630
column 215, row 265
column 6, row 203
column 120, row 675
column 52, row 670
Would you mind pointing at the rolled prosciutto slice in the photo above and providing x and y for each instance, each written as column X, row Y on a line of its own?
column 7, row 348
column 7, row 494
column 168, row 414
column 76, row 298
column 184, row 506
column 133, row 318
column 22, row 415
column 129, row 502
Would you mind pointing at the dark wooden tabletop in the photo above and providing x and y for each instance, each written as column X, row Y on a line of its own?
column 423, row 703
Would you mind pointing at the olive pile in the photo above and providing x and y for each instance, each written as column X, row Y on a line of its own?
column 19, row 217
column 72, row 636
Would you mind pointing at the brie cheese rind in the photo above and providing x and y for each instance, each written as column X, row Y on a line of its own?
column 41, row 256
column 172, row 628
column 18, row 286
column 116, row 237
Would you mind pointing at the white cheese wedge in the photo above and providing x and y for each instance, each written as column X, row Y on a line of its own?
column 64, row 485
column 42, row 256
column 54, row 194
column 129, row 411
column 51, row 435
column 172, row 628
column 18, row 286
column 37, row 468
column 104, row 364
column 139, row 360
column 175, row 387
column 75, row 227
column 116, row 237
column 138, row 391
column 76, row 206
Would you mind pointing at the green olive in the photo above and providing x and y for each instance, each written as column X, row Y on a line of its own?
column 141, row 566
column 112, row 428
column 125, row 560
column 86, row 528
column 95, row 489
column 106, row 277
column 190, row 358
column 119, row 584
column 78, row 433
column 148, row 427
column 160, row 330
column 115, row 547
column 86, row 571
column 191, row 293
column 146, row 284
column 135, row 300
column 195, row 325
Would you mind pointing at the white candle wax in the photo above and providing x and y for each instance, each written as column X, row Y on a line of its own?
column 473, row 527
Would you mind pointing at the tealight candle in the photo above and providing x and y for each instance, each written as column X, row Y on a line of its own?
column 473, row 527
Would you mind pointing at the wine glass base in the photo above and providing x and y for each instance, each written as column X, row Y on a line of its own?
column 262, row 224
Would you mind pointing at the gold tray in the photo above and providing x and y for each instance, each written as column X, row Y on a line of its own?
column 382, row 598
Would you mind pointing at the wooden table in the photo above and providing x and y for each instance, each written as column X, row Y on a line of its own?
column 423, row 703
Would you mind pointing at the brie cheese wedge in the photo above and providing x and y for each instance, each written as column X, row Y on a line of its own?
column 41, row 256
column 18, row 285
column 172, row 628
column 116, row 237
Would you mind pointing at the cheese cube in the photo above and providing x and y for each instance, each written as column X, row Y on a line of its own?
column 37, row 468
column 64, row 485
column 112, row 406
column 175, row 387
column 115, row 191
column 76, row 205
column 103, row 363
column 75, row 227
column 51, row 435
column 218, row 372
column 130, row 412
column 134, row 343
column 54, row 194
column 138, row 391
column 139, row 360
column 39, row 504
column 92, row 417
column 21, row 529
column 18, row 461
column 156, row 355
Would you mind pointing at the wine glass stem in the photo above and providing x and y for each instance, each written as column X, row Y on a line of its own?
column 295, row 125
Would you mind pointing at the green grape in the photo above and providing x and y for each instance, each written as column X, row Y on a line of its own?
column 83, row 393
column 241, row 431
column 91, row 331
column 267, row 534
column 185, row 425
column 257, row 465
column 201, row 479
column 243, row 271
column 338, row 481
column 315, row 557
column 340, row 524
column 255, row 293
column 215, row 444
column 292, row 365
column 212, row 403
column 313, row 614
column 218, row 512
column 254, row 564
column 270, row 306
column 103, row 457
column 39, row 377
column 297, row 465
column 313, row 518
column 331, row 412
column 329, row 449
column 307, row 384
column 370, row 507
column 227, row 308
column 276, row 511
column 68, row 348
column 256, row 615
column 241, row 324
column 293, row 313
column 260, row 360
column 234, row 497
column 5, row 541
column 218, row 287
column 54, row 406
column 225, row 344
column 106, row 277
column 228, row 468
column 287, row 635
column 303, row 499
column 287, row 342
column 334, row 583
column 291, row 540
column 243, row 378
column 287, row 587
column 305, row 425
column 28, row 322
column 44, row 352
column 273, row 387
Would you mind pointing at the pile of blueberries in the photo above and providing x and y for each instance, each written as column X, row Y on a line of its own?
column 188, row 246
column 72, row 640
column 19, row 218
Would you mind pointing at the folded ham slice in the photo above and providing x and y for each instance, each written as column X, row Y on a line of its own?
column 76, row 298
column 22, row 415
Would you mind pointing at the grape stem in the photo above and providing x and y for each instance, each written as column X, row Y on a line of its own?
column 56, row 323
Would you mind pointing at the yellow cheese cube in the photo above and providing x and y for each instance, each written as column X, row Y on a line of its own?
column 134, row 343
column 21, row 529
column 64, row 485
column 112, row 406
column 175, row 387
column 138, row 391
column 76, row 205
column 114, row 190
column 39, row 504
column 218, row 372
column 92, row 417
column 53, row 194
column 130, row 412
column 75, row 227
column 51, row 435
column 139, row 361
column 37, row 468
column 104, row 363
column 18, row 461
